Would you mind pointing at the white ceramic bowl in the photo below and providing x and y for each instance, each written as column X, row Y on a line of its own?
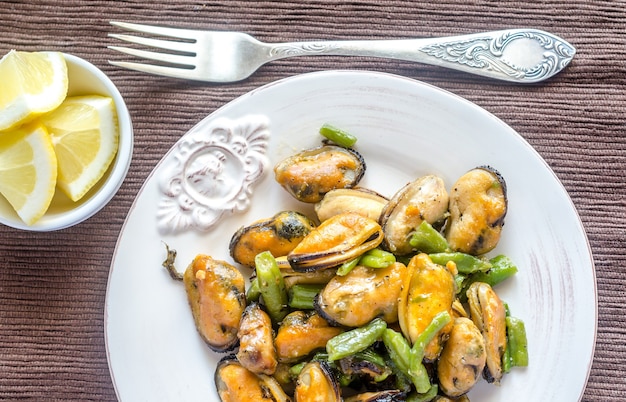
column 84, row 79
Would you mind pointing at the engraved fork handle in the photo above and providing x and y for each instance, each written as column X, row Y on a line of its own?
column 518, row 55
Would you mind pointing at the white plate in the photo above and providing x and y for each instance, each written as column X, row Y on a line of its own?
column 405, row 129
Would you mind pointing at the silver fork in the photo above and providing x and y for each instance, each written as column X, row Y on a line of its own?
column 518, row 55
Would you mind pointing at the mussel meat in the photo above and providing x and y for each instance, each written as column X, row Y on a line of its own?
column 256, row 341
column 443, row 398
column 389, row 395
column 488, row 313
column 216, row 294
column 236, row 383
column 478, row 205
column 425, row 199
column 301, row 333
column 462, row 359
column 319, row 277
column 316, row 382
column 310, row 174
column 335, row 241
column 279, row 235
column 427, row 291
column 363, row 294
column 360, row 200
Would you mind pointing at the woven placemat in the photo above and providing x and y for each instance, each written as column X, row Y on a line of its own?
column 53, row 285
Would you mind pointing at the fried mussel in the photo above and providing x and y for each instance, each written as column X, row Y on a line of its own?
column 310, row 174
column 428, row 291
column 366, row 311
column 489, row 316
column 302, row 333
column 234, row 382
column 216, row 295
column 354, row 299
column 317, row 382
column 256, row 351
column 478, row 206
column 359, row 200
column 279, row 235
column 424, row 199
column 335, row 241
column 462, row 359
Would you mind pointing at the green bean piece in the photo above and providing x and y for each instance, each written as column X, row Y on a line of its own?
column 506, row 358
column 398, row 348
column 294, row 371
column 371, row 356
column 402, row 381
column 506, row 355
column 254, row 293
column 419, row 376
column 345, row 268
column 502, row 268
column 417, row 371
column 343, row 379
column 459, row 282
column 428, row 240
column 320, row 356
column 379, row 252
column 423, row 339
column 465, row 263
column 377, row 258
column 272, row 286
column 356, row 340
column 338, row 136
column 424, row 397
column 517, row 342
column 302, row 296
column 409, row 359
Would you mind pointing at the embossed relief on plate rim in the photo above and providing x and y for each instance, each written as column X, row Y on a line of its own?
column 211, row 172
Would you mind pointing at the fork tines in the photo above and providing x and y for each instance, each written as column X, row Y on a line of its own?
column 180, row 60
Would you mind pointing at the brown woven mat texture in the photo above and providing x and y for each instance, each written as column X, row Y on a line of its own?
column 53, row 285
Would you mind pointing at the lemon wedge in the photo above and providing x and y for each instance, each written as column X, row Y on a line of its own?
column 28, row 170
column 32, row 83
column 85, row 136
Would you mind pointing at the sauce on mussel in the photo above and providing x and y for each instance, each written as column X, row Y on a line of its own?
column 478, row 205
column 236, row 383
column 428, row 290
column 301, row 333
column 363, row 294
column 316, row 383
column 488, row 313
column 359, row 200
column 310, row 174
column 335, row 241
column 425, row 199
column 216, row 294
column 279, row 235
column 256, row 341
column 388, row 395
column 462, row 359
